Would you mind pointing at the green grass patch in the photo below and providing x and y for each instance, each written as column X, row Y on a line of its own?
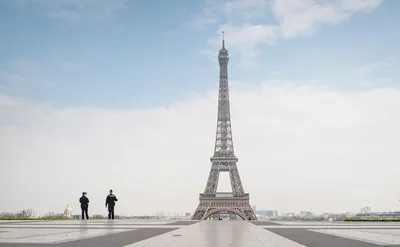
column 40, row 218
column 373, row 220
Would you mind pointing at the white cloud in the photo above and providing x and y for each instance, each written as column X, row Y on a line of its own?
column 384, row 73
column 238, row 37
column 70, row 66
column 304, row 16
column 291, row 19
column 27, row 66
column 7, row 77
column 80, row 10
column 233, row 10
column 19, row 71
column 359, row 5
column 298, row 147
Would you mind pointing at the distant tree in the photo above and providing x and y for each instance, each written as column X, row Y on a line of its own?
column 25, row 213
column 49, row 214
column 7, row 215
column 54, row 216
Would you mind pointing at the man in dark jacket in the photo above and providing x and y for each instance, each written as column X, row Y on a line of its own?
column 84, row 205
column 110, row 202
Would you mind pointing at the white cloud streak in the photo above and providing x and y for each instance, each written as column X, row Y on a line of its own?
column 261, row 22
column 80, row 10
column 299, row 148
column 19, row 71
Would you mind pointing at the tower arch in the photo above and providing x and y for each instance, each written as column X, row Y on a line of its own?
column 230, row 210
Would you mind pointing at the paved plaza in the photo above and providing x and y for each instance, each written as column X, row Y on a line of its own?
column 149, row 233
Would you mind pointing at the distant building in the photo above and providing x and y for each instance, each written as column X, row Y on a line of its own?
column 289, row 215
column 306, row 214
column 365, row 210
column 267, row 213
column 161, row 214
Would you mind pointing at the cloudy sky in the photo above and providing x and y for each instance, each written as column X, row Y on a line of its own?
column 98, row 95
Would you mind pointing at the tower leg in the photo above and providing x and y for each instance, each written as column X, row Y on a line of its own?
column 212, row 182
column 236, row 183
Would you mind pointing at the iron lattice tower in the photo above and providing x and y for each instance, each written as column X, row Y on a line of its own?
column 224, row 160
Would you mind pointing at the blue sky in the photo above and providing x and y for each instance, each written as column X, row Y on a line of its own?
column 122, row 94
column 142, row 54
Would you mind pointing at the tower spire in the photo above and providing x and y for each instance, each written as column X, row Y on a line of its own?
column 223, row 39
column 223, row 52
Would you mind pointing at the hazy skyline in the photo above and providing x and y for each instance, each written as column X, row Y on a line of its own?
column 98, row 95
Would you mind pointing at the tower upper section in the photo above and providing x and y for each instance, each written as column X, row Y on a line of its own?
column 223, row 56
column 223, row 143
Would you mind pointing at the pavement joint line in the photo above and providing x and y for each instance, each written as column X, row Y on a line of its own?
column 125, row 233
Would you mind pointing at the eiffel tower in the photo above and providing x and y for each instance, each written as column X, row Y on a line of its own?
column 224, row 160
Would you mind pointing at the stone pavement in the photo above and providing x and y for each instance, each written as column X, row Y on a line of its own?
column 151, row 233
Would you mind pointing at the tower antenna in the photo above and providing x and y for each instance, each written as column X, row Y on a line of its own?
column 223, row 39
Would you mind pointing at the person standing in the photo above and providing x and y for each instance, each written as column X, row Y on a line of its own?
column 110, row 203
column 84, row 205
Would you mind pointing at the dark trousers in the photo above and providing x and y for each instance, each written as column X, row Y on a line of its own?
column 110, row 211
column 84, row 209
